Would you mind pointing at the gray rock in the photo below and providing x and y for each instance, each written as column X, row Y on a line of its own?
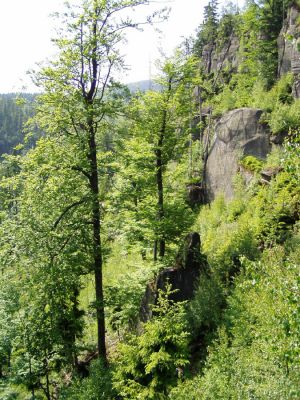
column 214, row 58
column 288, row 52
column 227, row 57
column 183, row 276
column 196, row 194
column 237, row 133
column 269, row 173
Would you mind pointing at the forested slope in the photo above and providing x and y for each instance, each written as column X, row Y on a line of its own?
column 177, row 207
column 15, row 109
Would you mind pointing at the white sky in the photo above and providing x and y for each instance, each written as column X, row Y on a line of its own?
column 26, row 30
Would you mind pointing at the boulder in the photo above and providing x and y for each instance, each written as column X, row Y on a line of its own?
column 269, row 173
column 196, row 194
column 237, row 133
column 183, row 276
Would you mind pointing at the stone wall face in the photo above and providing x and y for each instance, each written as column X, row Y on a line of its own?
column 183, row 276
column 288, row 48
column 214, row 59
column 237, row 133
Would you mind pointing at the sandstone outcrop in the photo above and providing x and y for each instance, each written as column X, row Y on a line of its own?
column 183, row 277
column 215, row 58
column 236, row 134
column 288, row 48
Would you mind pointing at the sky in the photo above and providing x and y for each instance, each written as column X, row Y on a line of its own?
column 26, row 29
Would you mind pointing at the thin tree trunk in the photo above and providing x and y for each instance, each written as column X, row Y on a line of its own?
column 32, row 388
column 160, row 188
column 155, row 251
column 48, row 395
column 160, row 245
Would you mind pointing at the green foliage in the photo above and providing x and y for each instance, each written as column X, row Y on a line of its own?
column 123, row 301
column 285, row 117
column 251, row 163
column 149, row 200
column 98, row 386
column 246, row 90
column 205, row 310
column 146, row 365
column 256, row 354
column 261, row 24
column 227, row 234
column 243, row 323
column 15, row 110
column 277, row 205
column 207, row 33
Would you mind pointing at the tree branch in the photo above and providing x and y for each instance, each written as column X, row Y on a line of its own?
column 77, row 203
column 85, row 173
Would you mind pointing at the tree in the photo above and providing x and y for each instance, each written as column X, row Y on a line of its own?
column 43, row 261
column 207, row 34
column 149, row 365
column 158, row 135
column 77, row 107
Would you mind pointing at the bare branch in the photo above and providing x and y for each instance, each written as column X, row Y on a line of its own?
column 73, row 205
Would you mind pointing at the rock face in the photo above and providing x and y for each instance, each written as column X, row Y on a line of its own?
column 215, row 59
column 196, row 194
column 288, row 41
column 237, row 133
column 183, row 276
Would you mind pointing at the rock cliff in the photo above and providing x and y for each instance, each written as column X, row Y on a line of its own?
column 288, row 48
column 237, row 133
column 215, row 58
column 183, row 276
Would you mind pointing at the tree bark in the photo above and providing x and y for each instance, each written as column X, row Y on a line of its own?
column 160, row 245
column 160, row 195
column 97, row 249
column 89, row 97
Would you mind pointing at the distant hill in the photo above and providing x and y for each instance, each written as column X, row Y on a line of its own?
column 12, row 119
column 13, row 116
column 142, row 86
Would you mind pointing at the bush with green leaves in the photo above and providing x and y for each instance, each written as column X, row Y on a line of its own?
column 226, row 235
column 245, row 90
column 256, row 354
column 97, row 386
column 285, row 117
column 123, row 301
column 149, row 365
column 251, row 163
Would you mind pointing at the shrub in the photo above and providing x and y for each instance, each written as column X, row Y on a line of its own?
column 285, row 117
column 251, row 163
column 96, row 387
column 147, row 365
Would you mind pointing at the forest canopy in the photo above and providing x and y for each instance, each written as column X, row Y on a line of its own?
column 106, row 204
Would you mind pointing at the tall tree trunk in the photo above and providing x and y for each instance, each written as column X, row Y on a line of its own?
column 97, row 249
column 89, row 97
column 155, row 250
column 160, row 188
column 160, row 245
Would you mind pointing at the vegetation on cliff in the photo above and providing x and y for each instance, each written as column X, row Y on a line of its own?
column 100, row 204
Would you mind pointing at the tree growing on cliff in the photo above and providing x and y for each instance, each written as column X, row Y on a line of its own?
column 208, row 29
